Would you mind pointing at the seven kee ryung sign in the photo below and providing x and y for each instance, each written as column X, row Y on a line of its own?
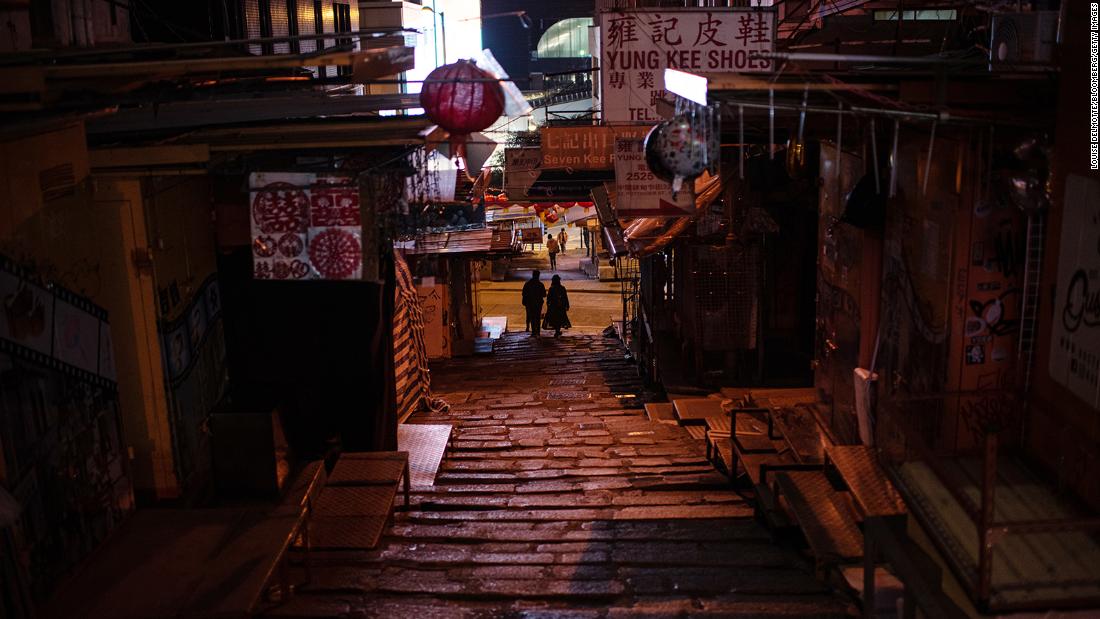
column 636, row 46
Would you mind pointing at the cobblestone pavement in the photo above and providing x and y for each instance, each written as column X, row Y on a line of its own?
column 560, row 499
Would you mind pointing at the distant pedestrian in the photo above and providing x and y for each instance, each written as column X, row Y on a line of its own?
column 563, row 237
column 533, row 294
column 557, row 306
column 552, row 248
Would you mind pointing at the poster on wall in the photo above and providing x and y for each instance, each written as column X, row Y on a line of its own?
column 26, row 316
column 639, row 193
column 76, row 337
column 433, row 305
column 305, row 226
column 637, row 46
column 1075, row 336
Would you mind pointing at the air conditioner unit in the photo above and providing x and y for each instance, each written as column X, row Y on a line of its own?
column 1023, row 41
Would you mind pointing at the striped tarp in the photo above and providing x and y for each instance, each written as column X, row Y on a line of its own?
column 409, row 350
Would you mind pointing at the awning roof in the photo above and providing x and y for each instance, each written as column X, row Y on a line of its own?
column 646, row 235
column 484, row 241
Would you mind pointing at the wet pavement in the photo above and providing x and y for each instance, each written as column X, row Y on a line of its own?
column 560, row 499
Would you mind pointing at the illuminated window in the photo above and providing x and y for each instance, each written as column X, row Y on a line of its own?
column 566, row 39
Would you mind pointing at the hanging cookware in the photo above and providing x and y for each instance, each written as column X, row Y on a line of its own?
column 796, row 148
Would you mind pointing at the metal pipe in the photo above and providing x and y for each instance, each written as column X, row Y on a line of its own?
column 771, row 123
column 839, row 149
column 894, row 160
column 986, row 538
column 874, row 156
column 752, row 105
column 741, row 140
column 928, row 161
column 30, row 56
column 813, row 57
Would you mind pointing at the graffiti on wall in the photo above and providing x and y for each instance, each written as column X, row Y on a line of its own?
column 193, row 346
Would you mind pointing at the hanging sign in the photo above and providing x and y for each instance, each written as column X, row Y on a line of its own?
column 641, row 194
column 586, row 147
column 1075, row 337
column 305, row 226
column 521, row 170
column 636, row 46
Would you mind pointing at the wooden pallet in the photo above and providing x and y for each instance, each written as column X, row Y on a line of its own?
column 661, row 412
column 696, row 410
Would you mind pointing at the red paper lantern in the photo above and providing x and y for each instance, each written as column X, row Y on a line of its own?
column 462, row 99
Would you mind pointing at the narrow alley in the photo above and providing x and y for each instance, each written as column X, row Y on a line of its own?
column 559, row 498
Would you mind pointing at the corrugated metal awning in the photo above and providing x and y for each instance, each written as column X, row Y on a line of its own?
column 646, row 235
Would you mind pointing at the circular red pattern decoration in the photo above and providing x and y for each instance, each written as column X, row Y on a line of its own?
column 264, row 246
column 335, row 253
column 290, row 245
column 299, row 269
column 281, row 207
column 281, row 270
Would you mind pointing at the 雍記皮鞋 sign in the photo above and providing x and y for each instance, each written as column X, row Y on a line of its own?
column 588, row 147
column 641, row 194
column 637, row 46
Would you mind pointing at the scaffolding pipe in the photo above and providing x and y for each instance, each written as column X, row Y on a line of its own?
column 812, row 57
column 854, row 110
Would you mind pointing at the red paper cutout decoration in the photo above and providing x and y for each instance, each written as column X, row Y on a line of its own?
column 335, row 253
column 281, row 207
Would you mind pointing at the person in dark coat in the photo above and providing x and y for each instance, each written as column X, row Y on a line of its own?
column 557, row 306
column 533, row 294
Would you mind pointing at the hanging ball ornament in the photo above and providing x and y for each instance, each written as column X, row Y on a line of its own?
column 653, row 155
column 682, row 150
column 462, row 99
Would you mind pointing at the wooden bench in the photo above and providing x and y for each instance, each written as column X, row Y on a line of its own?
column 357, row 503
column 189, row 563
column 874, row 494
column 822, row 513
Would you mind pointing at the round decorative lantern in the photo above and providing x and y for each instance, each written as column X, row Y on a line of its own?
column 682, row 150
column 462, row 99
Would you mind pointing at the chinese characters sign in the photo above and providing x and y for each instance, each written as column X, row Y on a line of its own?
column 1075, row 336
column 521, row 170
column 638, row 192
column 589, row 147
column 305, row 226
column 637, row 46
